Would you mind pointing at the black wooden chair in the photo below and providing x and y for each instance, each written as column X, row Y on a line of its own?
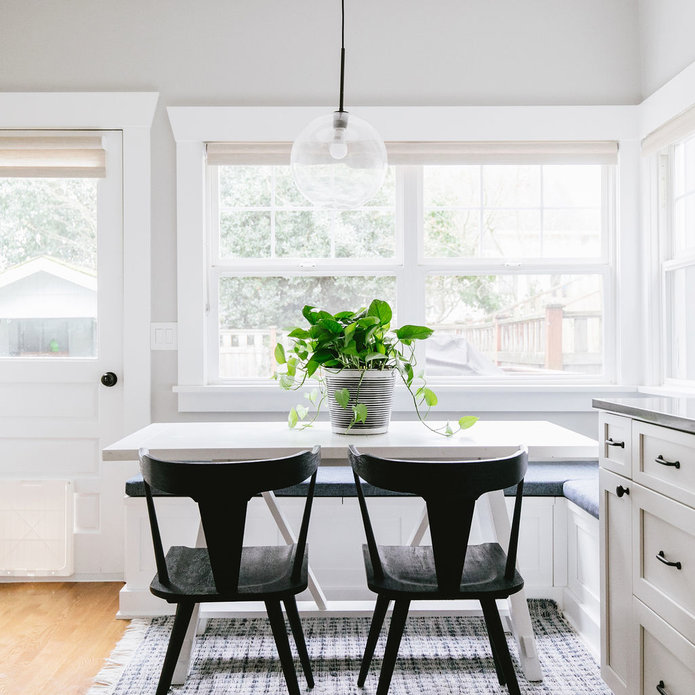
column 227, row 570
column 449, row 568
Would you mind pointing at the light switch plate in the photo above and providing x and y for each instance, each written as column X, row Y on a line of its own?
column 163, row 336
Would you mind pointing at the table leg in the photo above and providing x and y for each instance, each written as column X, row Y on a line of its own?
column 195, row 627
column 520, row 617
column 290, row 537
column 420, row 530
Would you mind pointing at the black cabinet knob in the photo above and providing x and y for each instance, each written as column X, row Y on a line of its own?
column 620, row 491
column 109, row 379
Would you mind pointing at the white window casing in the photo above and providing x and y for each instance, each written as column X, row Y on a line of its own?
column 505, row 135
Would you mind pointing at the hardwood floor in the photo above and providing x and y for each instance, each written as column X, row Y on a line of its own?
column 54, row 637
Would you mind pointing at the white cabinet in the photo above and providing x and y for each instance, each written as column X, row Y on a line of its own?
column 647, row 523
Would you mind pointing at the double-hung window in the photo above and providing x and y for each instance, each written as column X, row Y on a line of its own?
column 505, row 249
column 676, row 256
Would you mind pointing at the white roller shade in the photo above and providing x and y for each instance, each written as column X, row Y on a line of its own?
column 672, row 131
column 405, row 153
column 502, row 152
column 52, row 156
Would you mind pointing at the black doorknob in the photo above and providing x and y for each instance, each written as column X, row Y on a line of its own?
column 620, row 491
column 109, row 379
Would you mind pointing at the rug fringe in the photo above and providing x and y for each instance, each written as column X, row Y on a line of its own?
column 115, row 664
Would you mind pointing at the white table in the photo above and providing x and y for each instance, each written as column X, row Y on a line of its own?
column 487, row 439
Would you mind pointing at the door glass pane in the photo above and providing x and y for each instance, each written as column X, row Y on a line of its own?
column 680, row 297
column 492, row 325
column 48, row 267
column 257, row 312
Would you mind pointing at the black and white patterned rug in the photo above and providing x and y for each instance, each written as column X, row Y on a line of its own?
column 438, row 656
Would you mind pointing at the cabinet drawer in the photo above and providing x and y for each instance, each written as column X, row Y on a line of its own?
column 664, row 460
column 615, row 443
column 666, row 658
column 663, row 535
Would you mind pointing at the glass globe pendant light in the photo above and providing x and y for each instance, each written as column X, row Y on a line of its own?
column 339, row 160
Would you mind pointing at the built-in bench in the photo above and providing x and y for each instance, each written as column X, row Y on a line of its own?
column 575, row 480
column 559, row 544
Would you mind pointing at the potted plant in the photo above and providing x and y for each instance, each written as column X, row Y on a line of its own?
column 354, row 357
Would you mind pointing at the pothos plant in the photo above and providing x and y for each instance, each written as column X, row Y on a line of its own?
column 360, row 340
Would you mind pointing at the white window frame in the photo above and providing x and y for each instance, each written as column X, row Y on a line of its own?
column 194, row 126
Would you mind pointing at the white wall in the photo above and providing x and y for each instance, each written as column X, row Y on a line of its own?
column 280, row 52
column 666, row 40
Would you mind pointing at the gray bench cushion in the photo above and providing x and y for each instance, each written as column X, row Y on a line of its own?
column 543, row 479
column 584, row 493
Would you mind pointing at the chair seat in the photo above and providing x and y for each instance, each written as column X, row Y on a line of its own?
column 265, row 573
column 409, row 573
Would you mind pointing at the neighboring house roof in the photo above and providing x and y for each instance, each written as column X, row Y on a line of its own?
column 52, row 266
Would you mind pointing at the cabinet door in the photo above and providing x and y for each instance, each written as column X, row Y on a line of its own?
column 615, row 443
column 616, row 581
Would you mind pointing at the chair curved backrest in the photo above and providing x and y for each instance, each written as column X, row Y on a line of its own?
column 222, row 490
column 450, row 490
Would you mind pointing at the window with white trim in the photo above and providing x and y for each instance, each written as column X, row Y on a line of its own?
column 677, row 263
column 505, row 249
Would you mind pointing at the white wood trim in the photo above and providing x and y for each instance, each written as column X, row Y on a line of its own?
column 409, row 123
column 99, row 110
column 131, row 112
column 676, row 96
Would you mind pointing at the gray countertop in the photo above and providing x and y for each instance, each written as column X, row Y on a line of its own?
column 677, row 413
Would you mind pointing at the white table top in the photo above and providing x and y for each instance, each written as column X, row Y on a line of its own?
column 220, row 440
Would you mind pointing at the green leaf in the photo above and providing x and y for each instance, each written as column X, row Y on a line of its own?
column 292, row 418
column 349, row 330
column 309, row 314
column 292, row 366
column 342, row 396
column 448, row 431
column 430, row 397
column 322, row 356
column 311, row 367
column 467, row 421
column 331, row 325
column 371, row 356
column 280, row 354
column 368, row 321
column 381, row 310
column 342, row 315
column 408, row 373
column 302, row 411
column 286, row 381
column 360, row 412
column 312, row 396
column 409, row 332
column 299, row 333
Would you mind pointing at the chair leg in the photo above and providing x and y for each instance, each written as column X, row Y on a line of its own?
column 382, row 605
column 497, row 638
column 277, row 624
column 298, row 633
column 400, row 613
column 498, row 667
column 178, row 632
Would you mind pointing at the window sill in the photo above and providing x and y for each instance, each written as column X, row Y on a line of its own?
column 453, row 398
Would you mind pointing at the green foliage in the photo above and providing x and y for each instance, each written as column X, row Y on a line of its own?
column 357, row 340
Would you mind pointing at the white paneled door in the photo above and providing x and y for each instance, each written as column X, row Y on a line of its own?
column 61, row 345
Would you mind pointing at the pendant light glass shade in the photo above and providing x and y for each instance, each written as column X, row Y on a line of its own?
column 339, row 161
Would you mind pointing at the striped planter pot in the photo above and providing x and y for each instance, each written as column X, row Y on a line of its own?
column 375, row 391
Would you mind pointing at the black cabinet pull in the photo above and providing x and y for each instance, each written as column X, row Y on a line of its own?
column 620, row 491
column 611, row 442
column 664, row 462
column 661, row 688
column 662, row 558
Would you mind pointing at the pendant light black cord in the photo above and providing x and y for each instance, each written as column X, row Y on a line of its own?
column 342, row 53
